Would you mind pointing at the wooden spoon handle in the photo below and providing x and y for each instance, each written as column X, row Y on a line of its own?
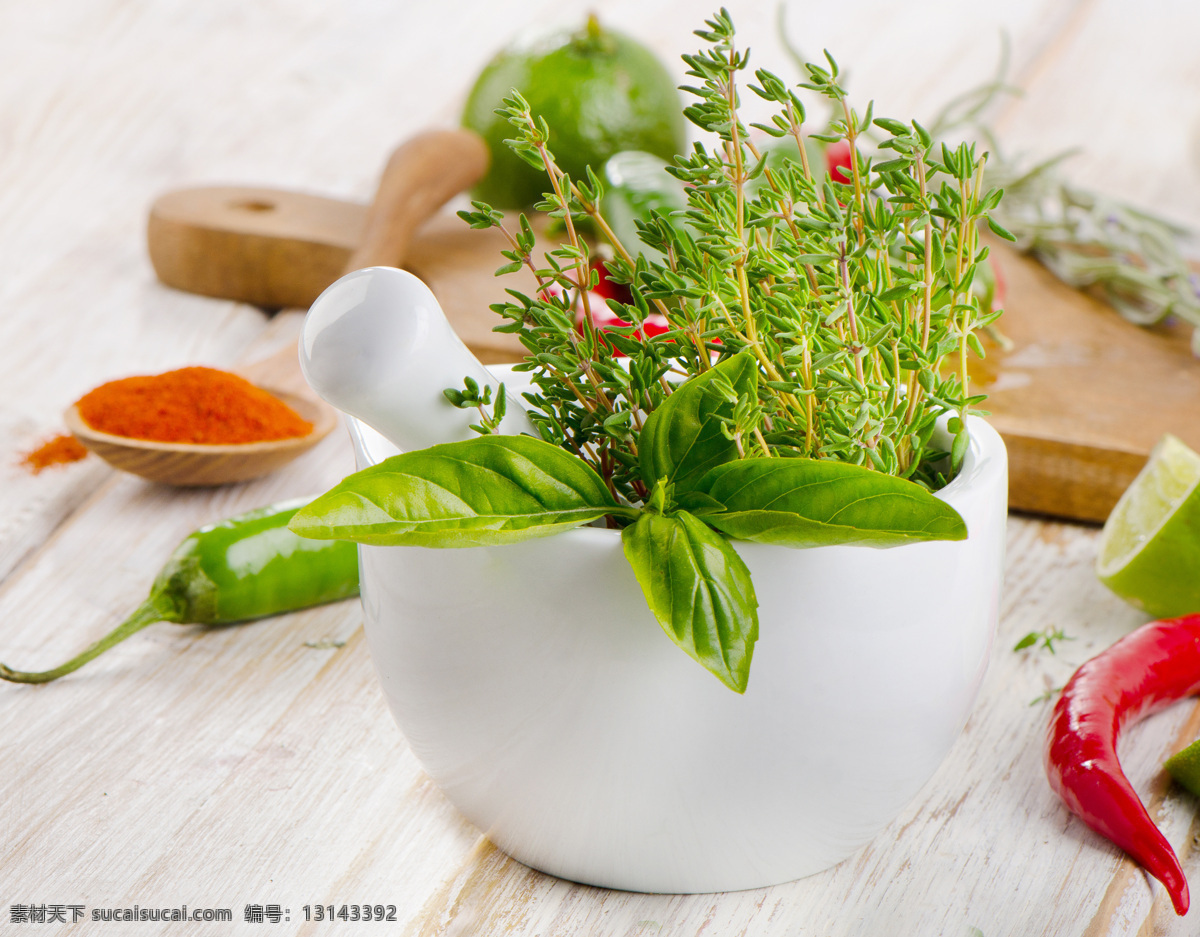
column 420, row 176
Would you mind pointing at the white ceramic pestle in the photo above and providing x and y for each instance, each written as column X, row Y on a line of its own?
column 377, row 346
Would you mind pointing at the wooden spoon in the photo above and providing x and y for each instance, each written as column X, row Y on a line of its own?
column 420, row 176
column 189, row 464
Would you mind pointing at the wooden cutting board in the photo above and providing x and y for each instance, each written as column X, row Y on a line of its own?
column 1080, row 397
column 277, row 248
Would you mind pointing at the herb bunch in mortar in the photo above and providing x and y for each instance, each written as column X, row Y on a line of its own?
column 819, row 327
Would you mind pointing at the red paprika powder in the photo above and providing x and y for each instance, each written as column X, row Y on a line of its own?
column 190, row 405
column 60, row 450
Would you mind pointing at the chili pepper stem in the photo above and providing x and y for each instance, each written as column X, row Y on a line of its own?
column 150, row 612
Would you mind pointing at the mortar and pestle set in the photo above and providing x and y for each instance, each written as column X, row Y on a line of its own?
column 540, row 694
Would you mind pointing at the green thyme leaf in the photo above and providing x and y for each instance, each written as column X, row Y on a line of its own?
column 1046, row 638
column 999, row 229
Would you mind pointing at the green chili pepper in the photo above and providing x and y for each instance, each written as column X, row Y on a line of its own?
column 249, row 566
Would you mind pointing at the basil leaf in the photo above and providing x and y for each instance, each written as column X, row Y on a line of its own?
column 697, row 503
column 682, row 438
column 699, row 590
column 482, row 492
column 814, row 503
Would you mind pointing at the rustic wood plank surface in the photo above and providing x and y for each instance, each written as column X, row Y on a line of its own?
column 258, row 764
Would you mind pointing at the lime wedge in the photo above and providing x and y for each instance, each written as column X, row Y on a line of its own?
column 1184, row 767
column 1150, row 546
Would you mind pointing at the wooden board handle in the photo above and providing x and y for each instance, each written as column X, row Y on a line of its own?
column 275, row 248
column 420, row 176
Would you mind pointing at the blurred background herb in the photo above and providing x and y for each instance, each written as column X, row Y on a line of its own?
column 1128, row 257
column 1134, row 260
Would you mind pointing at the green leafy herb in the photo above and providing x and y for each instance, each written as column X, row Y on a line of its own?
column 1133, row 259
column 699, row 590
column 1028, row 641
column 1044, row 639
column 471, row 396
column 639, row 185
column 808, row 503
column 1128, row 257
column 818, row 328
column 1046, row 697
column 851, row 294
column 481, row 492
column 688, row 434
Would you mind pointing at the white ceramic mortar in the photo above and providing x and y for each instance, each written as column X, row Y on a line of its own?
column 546, row 702
column 543, row 698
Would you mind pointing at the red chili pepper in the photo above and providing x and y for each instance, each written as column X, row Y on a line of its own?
column 838, row 161
column 1140, row 674
column 607, row 288
column 604, row 318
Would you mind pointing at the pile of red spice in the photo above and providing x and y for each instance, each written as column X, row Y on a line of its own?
column 190, row 405
column 60, row 450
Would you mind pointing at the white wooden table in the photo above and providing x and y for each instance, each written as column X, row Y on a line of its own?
column 244, row 766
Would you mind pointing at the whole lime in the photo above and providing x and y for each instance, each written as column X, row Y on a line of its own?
column 600, row 92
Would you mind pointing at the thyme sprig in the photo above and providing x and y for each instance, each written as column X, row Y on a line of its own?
column 853, row 295
column 472, row 396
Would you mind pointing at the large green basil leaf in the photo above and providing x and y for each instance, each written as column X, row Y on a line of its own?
column 699, row 590
column 815, row 503
column 682, row 438
column 482, row 492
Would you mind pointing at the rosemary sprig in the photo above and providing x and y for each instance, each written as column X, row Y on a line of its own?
column 1131, row 258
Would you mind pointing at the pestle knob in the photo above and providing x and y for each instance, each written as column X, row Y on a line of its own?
column 377, row 345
